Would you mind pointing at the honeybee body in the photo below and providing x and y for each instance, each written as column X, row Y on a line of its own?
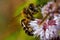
column 28, row 14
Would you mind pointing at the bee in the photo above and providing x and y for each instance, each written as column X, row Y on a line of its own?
column 28, row 13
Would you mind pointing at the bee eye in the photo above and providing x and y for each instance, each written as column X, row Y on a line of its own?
column 31, row 6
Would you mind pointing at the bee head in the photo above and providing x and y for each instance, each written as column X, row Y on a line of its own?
column 33, row 8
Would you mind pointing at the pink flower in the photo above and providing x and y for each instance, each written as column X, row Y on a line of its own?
column 52, row 22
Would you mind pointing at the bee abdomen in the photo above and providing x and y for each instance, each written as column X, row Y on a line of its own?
column 28, row 30
column 29, row 33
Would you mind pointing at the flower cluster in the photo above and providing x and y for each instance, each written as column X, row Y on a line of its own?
column 50, row 26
